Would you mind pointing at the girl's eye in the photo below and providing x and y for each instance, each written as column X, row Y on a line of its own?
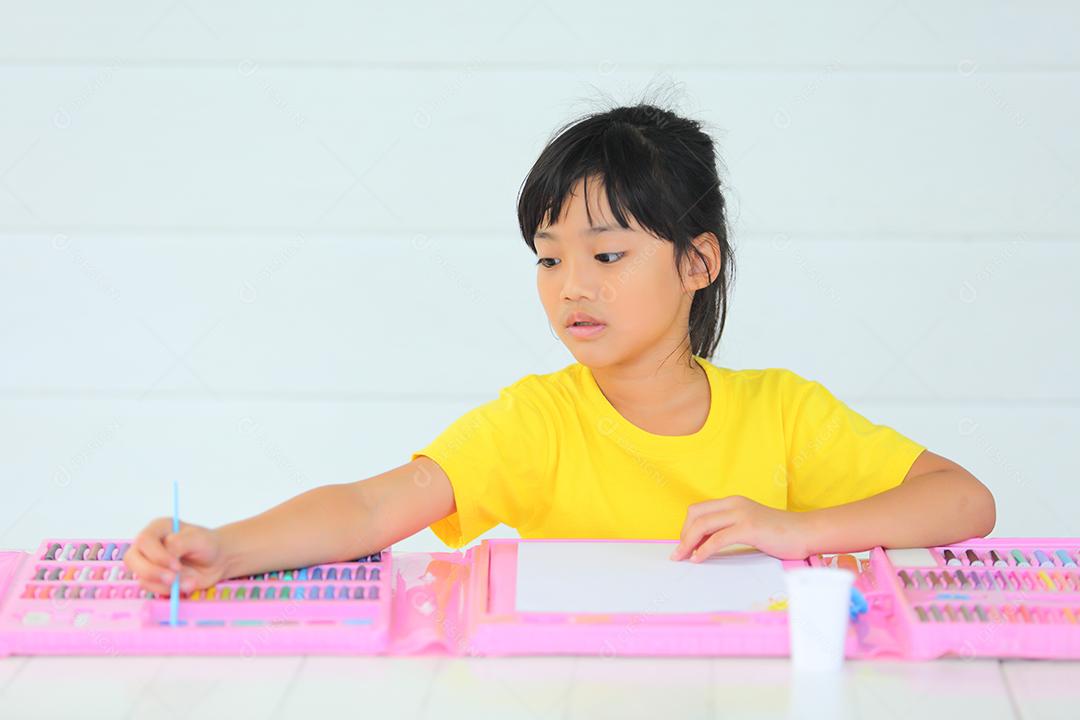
column 543, row 261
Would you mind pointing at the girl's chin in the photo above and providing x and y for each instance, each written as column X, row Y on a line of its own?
column 592, row 354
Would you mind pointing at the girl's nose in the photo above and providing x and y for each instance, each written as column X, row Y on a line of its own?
column 579, row 283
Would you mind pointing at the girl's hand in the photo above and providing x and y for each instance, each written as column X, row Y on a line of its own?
column 715, row 524
column 157, row 553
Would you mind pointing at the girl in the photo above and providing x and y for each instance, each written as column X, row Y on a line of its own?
column 642, row 437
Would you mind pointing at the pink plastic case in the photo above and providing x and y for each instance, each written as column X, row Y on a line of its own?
column 74, row 597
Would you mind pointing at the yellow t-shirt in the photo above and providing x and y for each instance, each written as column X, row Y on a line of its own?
column 551, row 457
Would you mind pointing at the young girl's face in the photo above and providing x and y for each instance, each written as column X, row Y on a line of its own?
column 625, row 278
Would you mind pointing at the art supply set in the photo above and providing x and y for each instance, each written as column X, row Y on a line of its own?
column 1004, row 597
column 77, row 597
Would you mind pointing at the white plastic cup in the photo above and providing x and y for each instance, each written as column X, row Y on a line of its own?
column 819, row 602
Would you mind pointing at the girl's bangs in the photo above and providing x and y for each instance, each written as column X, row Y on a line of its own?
column 619, row 161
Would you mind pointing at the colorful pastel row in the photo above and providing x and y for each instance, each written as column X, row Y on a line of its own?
column 974, row 580
column 255, row 592
column 1039, row 558
column 1035, row 615
column 111, row 552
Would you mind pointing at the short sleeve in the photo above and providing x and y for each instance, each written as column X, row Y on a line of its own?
column 497, row 457
column 834, row 454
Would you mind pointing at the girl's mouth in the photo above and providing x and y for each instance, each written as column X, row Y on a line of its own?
column 585, row 331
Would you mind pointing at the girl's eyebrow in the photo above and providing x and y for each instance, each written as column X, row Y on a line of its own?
column 594, row 230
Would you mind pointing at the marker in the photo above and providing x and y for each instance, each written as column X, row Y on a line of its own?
column 1021, row 561
column 1065, row 559
column 174, row 596
column 997, row 559
column 950, row 558
column 1043, row 559
column 973, row 557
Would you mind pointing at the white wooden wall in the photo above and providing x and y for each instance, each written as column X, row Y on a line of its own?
column 260, row 247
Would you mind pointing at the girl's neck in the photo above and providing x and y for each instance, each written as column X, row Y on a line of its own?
column 648, row 390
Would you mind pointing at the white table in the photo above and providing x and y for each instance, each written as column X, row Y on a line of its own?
column 531, row 687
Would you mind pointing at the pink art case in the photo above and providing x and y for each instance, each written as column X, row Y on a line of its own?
column 1003, row 597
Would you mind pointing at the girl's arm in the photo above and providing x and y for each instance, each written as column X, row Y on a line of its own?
column 938, row 503
column 325, row 524
column 339, row 522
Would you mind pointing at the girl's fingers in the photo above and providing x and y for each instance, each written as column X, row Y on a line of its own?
column 150, row 543
column 717, row 541
column 153, row 557
column 693, row 512
column 695, row 531
column 138, row 564
column 190, row 542
column 148, row 574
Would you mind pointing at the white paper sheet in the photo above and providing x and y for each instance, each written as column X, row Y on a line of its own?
column 638, row 577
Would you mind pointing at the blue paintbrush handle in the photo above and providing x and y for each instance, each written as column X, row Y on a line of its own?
column 174, row 596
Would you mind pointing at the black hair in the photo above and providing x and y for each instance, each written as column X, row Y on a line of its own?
column 655, row 165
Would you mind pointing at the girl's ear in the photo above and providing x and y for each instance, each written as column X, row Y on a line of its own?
column 701, row 275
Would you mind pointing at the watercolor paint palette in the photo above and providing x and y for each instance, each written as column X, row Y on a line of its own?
column 1003, row 597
